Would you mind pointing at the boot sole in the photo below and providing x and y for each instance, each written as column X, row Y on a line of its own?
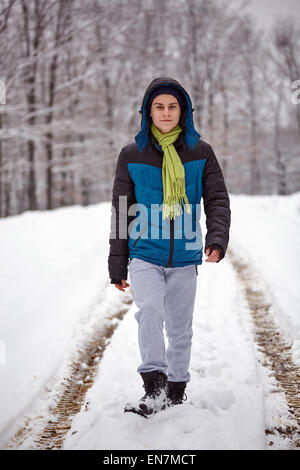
column 143, row 413
column 137, row 412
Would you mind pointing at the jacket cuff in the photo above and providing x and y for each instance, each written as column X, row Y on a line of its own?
column 116, row 281
column 118, row 267
column 215, row 246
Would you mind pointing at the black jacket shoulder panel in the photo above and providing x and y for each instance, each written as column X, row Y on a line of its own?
column 132, row 153
column 204, row 148
column 130, row 148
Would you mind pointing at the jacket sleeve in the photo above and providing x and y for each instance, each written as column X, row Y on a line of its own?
column 216, row 204
column 118, row 239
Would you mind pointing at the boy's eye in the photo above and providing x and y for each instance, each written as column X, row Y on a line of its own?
column 161, row 107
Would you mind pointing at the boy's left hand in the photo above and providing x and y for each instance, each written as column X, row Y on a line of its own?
column 213, row 257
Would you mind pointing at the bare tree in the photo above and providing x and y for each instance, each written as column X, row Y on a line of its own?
column 286, row 34
column 5, row 11
column 281, row 162
column 32, row 30
column 61, row 35
column 251, row 58
column 75, row 73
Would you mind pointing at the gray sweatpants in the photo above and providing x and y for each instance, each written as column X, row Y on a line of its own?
column 165, row 297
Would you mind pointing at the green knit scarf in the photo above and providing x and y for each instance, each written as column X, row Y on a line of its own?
column 173, row 174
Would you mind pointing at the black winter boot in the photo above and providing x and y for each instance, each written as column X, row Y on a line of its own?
column 175, row 393
column 155, row 398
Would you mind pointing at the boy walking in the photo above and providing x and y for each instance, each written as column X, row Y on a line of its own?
column 163, row 175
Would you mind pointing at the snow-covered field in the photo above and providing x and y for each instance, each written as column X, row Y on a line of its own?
column 53, row 271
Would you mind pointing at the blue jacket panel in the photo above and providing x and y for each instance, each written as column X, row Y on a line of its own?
column 149, row 237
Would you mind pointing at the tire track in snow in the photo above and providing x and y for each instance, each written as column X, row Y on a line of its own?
column 276, row 352
column 83, row 367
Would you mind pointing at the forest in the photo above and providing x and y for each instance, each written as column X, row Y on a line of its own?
column 72, row 78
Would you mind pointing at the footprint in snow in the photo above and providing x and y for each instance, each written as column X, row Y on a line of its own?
column 223, row 399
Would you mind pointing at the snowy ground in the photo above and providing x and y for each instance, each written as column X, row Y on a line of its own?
column 53, row 264
column 53, row 269
column 224, row 388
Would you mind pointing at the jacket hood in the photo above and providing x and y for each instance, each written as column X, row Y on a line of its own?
column 191, row 136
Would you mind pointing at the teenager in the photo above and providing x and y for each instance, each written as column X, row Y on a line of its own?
column 156, row 235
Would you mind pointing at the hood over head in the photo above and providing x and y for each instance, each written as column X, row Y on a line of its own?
column 191, row 136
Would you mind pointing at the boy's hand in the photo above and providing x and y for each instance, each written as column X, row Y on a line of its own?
column 122, row 286
column 212, row 257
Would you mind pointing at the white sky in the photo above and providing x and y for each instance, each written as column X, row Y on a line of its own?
column 266, row 11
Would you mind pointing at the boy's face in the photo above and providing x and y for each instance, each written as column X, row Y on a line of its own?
column 165, row 112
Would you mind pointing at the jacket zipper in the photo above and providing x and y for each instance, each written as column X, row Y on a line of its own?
column 171, row 243
column 169, row 265
column 137, row 240
column 139, row 237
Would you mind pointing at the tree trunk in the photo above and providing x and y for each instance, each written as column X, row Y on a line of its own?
column 280, row 163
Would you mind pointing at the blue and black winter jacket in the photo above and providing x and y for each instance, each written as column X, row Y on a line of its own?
column 137, row 227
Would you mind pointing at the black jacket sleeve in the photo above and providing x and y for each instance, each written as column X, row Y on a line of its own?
column 118, row 240
column 216, row 204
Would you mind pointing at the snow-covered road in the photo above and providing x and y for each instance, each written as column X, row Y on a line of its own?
column 225, row 406
column 230, row 394
column 232, row 397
